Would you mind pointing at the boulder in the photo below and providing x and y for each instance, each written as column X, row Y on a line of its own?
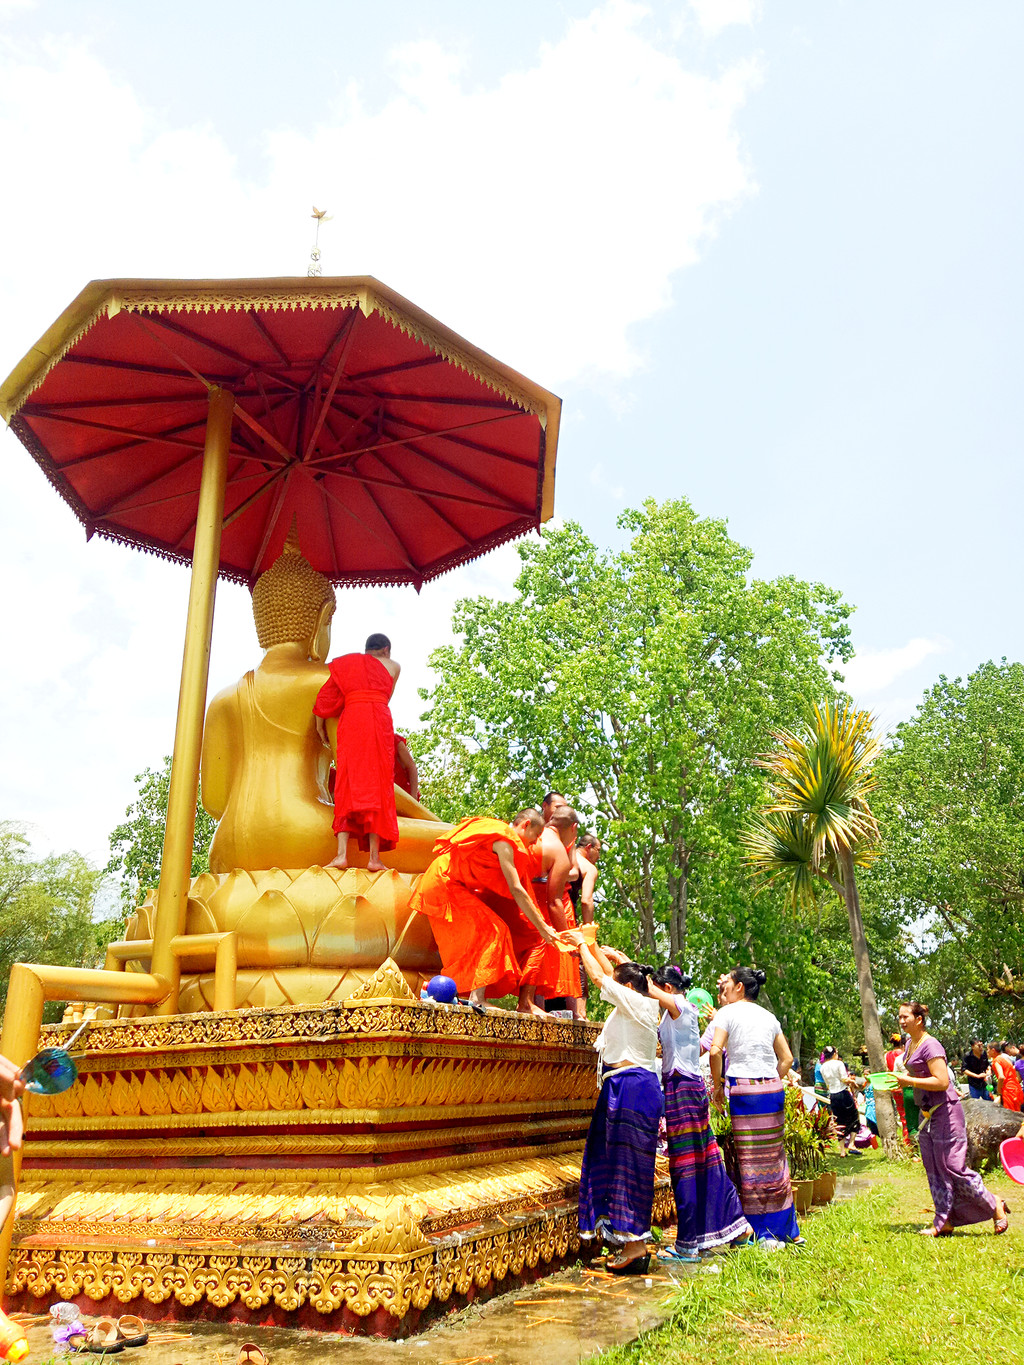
column 987, row 1126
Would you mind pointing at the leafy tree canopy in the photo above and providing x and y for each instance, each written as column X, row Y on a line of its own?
column 950, row 800
column 46, row 909
column 137, row 843
column 642, row 684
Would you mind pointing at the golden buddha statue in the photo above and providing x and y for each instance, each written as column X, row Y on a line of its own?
column 306, row 932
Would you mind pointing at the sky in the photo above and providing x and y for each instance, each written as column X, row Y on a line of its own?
column 767, row 254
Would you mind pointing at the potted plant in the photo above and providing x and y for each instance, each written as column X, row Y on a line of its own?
column 809, row 1138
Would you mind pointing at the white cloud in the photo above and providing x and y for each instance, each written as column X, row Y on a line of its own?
column 871, row 671
column 544, row 216
column 715, row 15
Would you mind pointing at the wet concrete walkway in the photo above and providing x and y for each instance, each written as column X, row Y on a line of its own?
column 560, row 1320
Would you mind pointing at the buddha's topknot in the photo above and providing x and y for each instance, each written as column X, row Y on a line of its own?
column 287, row 599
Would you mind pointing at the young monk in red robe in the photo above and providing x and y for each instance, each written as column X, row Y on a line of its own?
column 477, row 865
column 357, row 692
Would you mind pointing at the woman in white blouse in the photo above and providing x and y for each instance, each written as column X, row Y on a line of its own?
column 759, row 1057
column 617, row 1175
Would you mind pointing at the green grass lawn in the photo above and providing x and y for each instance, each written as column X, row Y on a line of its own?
column 866, row 1289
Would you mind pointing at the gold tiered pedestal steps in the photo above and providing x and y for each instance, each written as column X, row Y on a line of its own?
column 356, row 1166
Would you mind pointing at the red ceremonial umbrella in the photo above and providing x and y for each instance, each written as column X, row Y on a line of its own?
column 402, row 449
column 196, row 418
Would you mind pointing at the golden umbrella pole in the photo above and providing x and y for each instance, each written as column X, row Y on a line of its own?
column 176, row 862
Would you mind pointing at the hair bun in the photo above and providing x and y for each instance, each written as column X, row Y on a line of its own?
column 759, row 976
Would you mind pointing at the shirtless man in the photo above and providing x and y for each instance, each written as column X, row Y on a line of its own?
column 558, row 850
column 588, row 850
column 552, row 802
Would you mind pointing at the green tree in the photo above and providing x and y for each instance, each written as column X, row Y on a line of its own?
column 47, row 908
column 818, row 827
column 951, row 794
column 137, row 843
column 641, row 683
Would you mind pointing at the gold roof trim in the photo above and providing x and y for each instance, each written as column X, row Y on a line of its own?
column 106, row 298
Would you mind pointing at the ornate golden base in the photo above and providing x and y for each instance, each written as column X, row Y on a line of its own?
column 352, row 1167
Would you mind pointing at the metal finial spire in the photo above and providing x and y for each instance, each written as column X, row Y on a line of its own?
column 321, row 216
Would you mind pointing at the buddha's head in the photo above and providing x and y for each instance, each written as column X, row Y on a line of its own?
column 293, row 604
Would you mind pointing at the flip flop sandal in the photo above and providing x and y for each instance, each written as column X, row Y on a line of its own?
column 132, row 1331
column 639, row 1265
column 671, row 1254
column 250, row 1354
column 101, row 1339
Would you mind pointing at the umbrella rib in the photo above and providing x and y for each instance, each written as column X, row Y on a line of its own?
column 264, row 434
column 424, row 492
column 424, row 431
column 406, row 552
column 136, row 401
column 441, row 401
column 169, row 438
column 396, row 369
column 265, row 330
column 218, row 349
column 136, row 367
column 332, row 388
column 457, row 473
column 330, row 526
column 466, row 478
column 406, row 440
column 120, row 506
column 244, row 506
column 338, row 502
column 466, row 540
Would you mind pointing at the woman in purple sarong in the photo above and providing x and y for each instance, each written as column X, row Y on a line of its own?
column 959, row 1193
column 708, row 1212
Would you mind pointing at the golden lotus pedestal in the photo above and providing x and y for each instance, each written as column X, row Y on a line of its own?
column 356, row 1166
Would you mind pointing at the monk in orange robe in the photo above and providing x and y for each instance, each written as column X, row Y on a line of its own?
column 480, row 864
column 558, row 842
column 358, row 692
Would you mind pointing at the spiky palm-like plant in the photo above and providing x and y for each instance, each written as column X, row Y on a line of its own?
column 818, row 827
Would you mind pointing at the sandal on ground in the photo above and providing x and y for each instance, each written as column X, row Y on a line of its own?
column 101, row 1339
column 746, row 1240
column 250, row 1354
column 798, row 1241
column 671, row 1254
column 132, row 1331
column 934, row 1232
column 639, row 1265
column 1002, row 1224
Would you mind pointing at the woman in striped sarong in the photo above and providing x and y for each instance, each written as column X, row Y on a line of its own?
column 759, row 1057
column 708, row 1212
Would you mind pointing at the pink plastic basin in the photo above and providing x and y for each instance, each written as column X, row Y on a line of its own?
column 1012, row 1153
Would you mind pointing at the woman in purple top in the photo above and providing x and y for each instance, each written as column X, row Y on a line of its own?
column 958, row 1192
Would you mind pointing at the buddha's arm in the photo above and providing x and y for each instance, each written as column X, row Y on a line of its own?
column 221, row 751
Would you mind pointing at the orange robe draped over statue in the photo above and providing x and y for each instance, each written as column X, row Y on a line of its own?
column 357, row 692
column 457, row 892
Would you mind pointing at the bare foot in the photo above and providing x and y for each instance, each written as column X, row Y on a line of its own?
column 375, row 865
column 338, row 862
column 533, row 1011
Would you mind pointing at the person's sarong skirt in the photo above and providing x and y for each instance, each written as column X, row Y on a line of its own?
column 958, row 1193
column 758, row 1109
column 708, row 1211
column 617, row 1175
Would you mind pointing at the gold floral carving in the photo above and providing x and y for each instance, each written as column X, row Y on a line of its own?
column 391, row 1266
column 331, row 1021
column 349, row 1090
